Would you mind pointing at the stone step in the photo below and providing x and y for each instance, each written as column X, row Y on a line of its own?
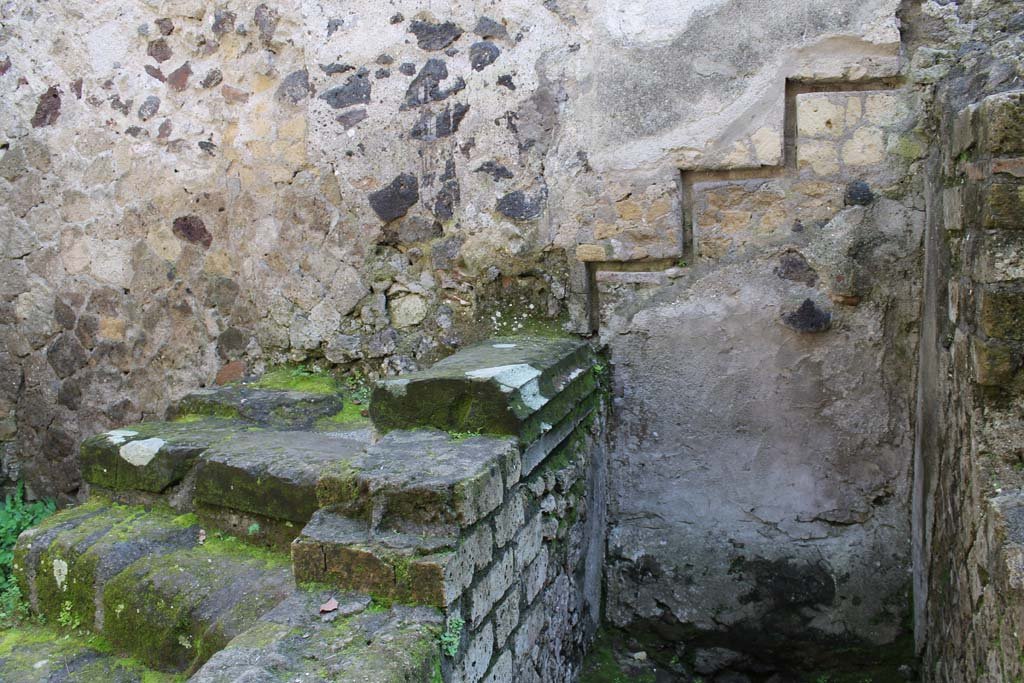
column 422, row 481
column 279, row 409
column 495, row 387
column 144, row 580
column 339, row 551
column 29, row 654
column 151, row 456
column 359, row 642
column 272, row 474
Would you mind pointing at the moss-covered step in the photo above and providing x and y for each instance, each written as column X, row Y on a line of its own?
column 150, row 456
column 423, row 481
column 493, row 387
column 29, row 654
column 420, row 569
column 271, row 473
column 64, row 565
column 172, row 612
column 276, row 408
column 359, row 642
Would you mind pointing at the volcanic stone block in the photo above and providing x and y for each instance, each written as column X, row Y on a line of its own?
column 66, row 571
column 33, row 653
column 339, row 551
column 493, row 387
column 425, row 479
column 1001, row 313
column 293, row 643
column 1002, row 123
column 1002, row 206
column 150, row 456
column 174, row 611
column 271, row 473
column 265, row 407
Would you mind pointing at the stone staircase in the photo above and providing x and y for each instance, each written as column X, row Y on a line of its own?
column 459, row 532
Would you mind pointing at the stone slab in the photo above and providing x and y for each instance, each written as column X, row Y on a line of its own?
column 271, row 473
column 65, row 564
column 265, row 407
column 342, row 552
column 423, row 480
column 174, row 611
column 492, row 387
column 150, row 456
column 31, row 653
column 360, row 642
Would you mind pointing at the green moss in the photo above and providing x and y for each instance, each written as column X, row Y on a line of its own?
column 298, row 378
column 230, row 547
column 600, row 666
column 187, row 419
column 351, row 413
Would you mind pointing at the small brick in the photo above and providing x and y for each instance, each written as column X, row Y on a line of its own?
column 478, row 655
column 491, row 588
column 536, row 576
column 529, row 541
column 506, row 617
column 509, row 520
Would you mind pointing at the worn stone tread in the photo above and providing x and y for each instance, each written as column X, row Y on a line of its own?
column 271, row 473
column 150, row 456
column 276, row 408
column 65, row 564
column 423, row 480
column 492, row 387
column 359, row 643
column 173, row 612
column 30, row 654
column 343, row 552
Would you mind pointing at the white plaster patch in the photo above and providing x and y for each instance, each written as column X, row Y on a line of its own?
column 140, row 453
column 108, row 45
column 504, row 346
column 651, row 21
column 513, row 376
column 530, row 393
column 119, row 436
column 60, row 572
column 396, row 387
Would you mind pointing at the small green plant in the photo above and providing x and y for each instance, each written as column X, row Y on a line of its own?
column 67, row 618
column 15, row 516
column 253, row 529
column 452, row 636
column 462, row 436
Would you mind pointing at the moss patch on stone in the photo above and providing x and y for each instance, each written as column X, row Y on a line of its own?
column 298, row 378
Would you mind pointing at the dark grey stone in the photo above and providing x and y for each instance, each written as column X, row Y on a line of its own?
column 495, row 170
column 295, row 87
column 858, row 193
column 223, row 22
column 483, row 54
column 355, row 90
column 352, row 117
column 149, row 107
column 430, row 127
column 518, row 206
column 336, row 68
column 407, row 69
column 488, row 29
column 397, row 198
column 426, row 86
column 808, row 318
column 434, row 37
column 66, row 355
